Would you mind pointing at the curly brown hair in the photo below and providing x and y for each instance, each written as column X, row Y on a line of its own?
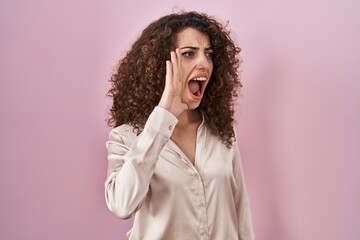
column 139, row 80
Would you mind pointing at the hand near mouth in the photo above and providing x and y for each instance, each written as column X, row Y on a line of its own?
column 171, row 97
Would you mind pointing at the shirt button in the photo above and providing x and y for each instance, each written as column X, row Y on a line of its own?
column 170, row 127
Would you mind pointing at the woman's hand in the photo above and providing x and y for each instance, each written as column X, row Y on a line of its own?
column 171, row 97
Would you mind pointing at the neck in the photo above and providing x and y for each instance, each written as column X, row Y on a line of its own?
column 189, row 117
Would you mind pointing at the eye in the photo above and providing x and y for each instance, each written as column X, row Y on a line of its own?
column 210, row 54
column 188, row 54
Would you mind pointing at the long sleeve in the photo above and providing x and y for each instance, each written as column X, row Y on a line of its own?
column 131, row 163
column 243, row 212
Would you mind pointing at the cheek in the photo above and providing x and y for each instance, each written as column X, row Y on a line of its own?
column 211, row 67
column 185, row 67
column 184, row 72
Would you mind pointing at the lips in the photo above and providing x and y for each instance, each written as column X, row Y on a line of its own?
column 197, row 86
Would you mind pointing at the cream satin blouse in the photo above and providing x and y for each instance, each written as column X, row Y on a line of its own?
column 172, row 199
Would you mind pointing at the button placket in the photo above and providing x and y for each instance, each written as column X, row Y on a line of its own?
column 199, row 198
column 200, row 206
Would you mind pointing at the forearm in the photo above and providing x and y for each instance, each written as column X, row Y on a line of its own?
column 128, row 183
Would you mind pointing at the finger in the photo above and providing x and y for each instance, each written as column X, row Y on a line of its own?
column 179, row 60
column 169, row 73
column 178, row 57
column 175, row 68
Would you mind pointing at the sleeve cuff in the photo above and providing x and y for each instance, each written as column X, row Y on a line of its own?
column 161, row 121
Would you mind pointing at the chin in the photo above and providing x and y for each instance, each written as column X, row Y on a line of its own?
column 193, row 106
column 191, row 101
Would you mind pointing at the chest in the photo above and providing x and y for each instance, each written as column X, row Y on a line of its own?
column 186, row 142
column 212, row 171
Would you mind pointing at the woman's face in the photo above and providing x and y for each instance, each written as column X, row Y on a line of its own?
column 196, row 64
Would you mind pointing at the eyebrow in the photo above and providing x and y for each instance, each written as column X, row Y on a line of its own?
column 196, row 48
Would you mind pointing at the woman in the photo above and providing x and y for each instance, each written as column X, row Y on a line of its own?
column 173, row 159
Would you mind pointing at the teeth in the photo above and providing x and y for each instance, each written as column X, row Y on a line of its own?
column 200, row 79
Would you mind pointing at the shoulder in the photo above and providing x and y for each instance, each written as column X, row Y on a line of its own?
column 123, row 134
column 123, row 129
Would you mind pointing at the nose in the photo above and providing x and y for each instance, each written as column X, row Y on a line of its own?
column 203, row 62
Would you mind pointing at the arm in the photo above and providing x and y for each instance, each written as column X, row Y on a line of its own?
column 130, row 168
column 241, row 199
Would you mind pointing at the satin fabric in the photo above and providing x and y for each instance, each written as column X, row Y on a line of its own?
column 172, row 199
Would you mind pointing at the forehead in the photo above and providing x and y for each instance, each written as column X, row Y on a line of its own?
column 192, row 37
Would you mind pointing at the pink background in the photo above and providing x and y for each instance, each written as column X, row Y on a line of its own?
column 298, row 118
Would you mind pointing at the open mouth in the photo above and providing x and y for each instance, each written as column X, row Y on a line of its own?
column 196, row 86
